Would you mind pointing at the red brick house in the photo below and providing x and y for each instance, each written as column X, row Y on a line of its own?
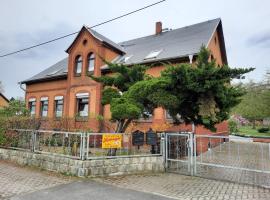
column 65, row 90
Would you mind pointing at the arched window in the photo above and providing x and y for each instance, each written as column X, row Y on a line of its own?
column 91, row 62
column 78, row 65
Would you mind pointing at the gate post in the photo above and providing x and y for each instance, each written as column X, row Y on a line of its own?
column 82, row 147
column 33, row 140
column 191, row 153
column 195, row 153
column 166, row 151
column 163, row 148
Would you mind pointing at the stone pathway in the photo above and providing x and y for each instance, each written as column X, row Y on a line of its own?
column 188, row 188
column 16, row 180
column 19, row 183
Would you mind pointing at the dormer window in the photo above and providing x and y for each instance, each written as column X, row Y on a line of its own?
column 78, row 65
column 91, row 62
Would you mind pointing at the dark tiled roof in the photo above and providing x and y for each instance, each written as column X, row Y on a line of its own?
column 102, row 38
column 171, row 44
column 59, row 69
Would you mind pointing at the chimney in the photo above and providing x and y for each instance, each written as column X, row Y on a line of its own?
column 158, row 28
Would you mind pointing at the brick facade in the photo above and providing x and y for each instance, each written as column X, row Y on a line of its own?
column 84, row 44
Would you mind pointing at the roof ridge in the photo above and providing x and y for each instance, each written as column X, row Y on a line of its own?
column 171, row 30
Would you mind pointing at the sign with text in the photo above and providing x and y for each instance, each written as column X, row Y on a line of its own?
column 111, row 141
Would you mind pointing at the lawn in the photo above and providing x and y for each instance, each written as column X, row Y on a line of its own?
column 249, row 131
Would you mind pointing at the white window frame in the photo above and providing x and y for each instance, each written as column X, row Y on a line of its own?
column 44, row 113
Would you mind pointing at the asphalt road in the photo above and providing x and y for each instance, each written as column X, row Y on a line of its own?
column 88, row 190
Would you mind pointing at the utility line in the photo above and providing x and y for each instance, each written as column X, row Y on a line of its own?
column 64, row 36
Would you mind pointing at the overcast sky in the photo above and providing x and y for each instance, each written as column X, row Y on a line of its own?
column 246, row 27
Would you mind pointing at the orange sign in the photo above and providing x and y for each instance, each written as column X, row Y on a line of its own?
column 113, row 141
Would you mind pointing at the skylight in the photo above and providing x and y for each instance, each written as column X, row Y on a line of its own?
column 153, row 54
column 127, row 58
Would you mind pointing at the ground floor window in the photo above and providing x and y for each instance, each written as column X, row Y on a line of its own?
column 44, row 103
column 59, row 106
column 82, row 104
column 32, row 106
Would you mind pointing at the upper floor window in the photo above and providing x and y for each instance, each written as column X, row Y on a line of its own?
column 32, row 106
column 44, row 103
column 91, row 62
column 78, row 65
column 58, row 106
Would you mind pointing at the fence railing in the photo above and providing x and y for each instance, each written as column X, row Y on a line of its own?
column 77, row 145
column 94, row 147
column 68, row 144
column 20, row 140
column 221, row 151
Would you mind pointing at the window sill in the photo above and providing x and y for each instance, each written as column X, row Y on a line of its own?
column 77, row 75
column 144, row 120
column 44, row 118
column 81, row 119
column 57, row 118
column 90, row 73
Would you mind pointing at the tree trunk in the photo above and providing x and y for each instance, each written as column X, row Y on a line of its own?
column 254, row 124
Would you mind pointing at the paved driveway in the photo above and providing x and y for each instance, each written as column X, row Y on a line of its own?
column 24, row 183
column 88, row 190
column 188, row 188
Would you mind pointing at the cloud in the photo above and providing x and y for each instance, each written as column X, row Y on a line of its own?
column 261, row 39
column 23, row 39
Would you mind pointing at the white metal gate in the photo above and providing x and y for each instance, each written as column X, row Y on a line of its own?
column 218, row 157
column 178, row 154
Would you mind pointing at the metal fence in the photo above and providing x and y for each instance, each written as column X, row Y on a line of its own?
column 20, row 140
column 77, row 145
column 178, row 153
column 218, row 157
column 222, row 157
column 94, row 148
column 67, row 144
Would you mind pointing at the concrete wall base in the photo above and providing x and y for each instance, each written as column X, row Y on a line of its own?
column 87, row 168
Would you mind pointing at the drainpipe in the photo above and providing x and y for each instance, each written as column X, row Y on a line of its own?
column 22, row 87
column 190, row 58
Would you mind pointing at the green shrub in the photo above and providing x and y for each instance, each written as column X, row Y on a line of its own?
column 263, row 130
column 233, row 126
column 2, row 138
